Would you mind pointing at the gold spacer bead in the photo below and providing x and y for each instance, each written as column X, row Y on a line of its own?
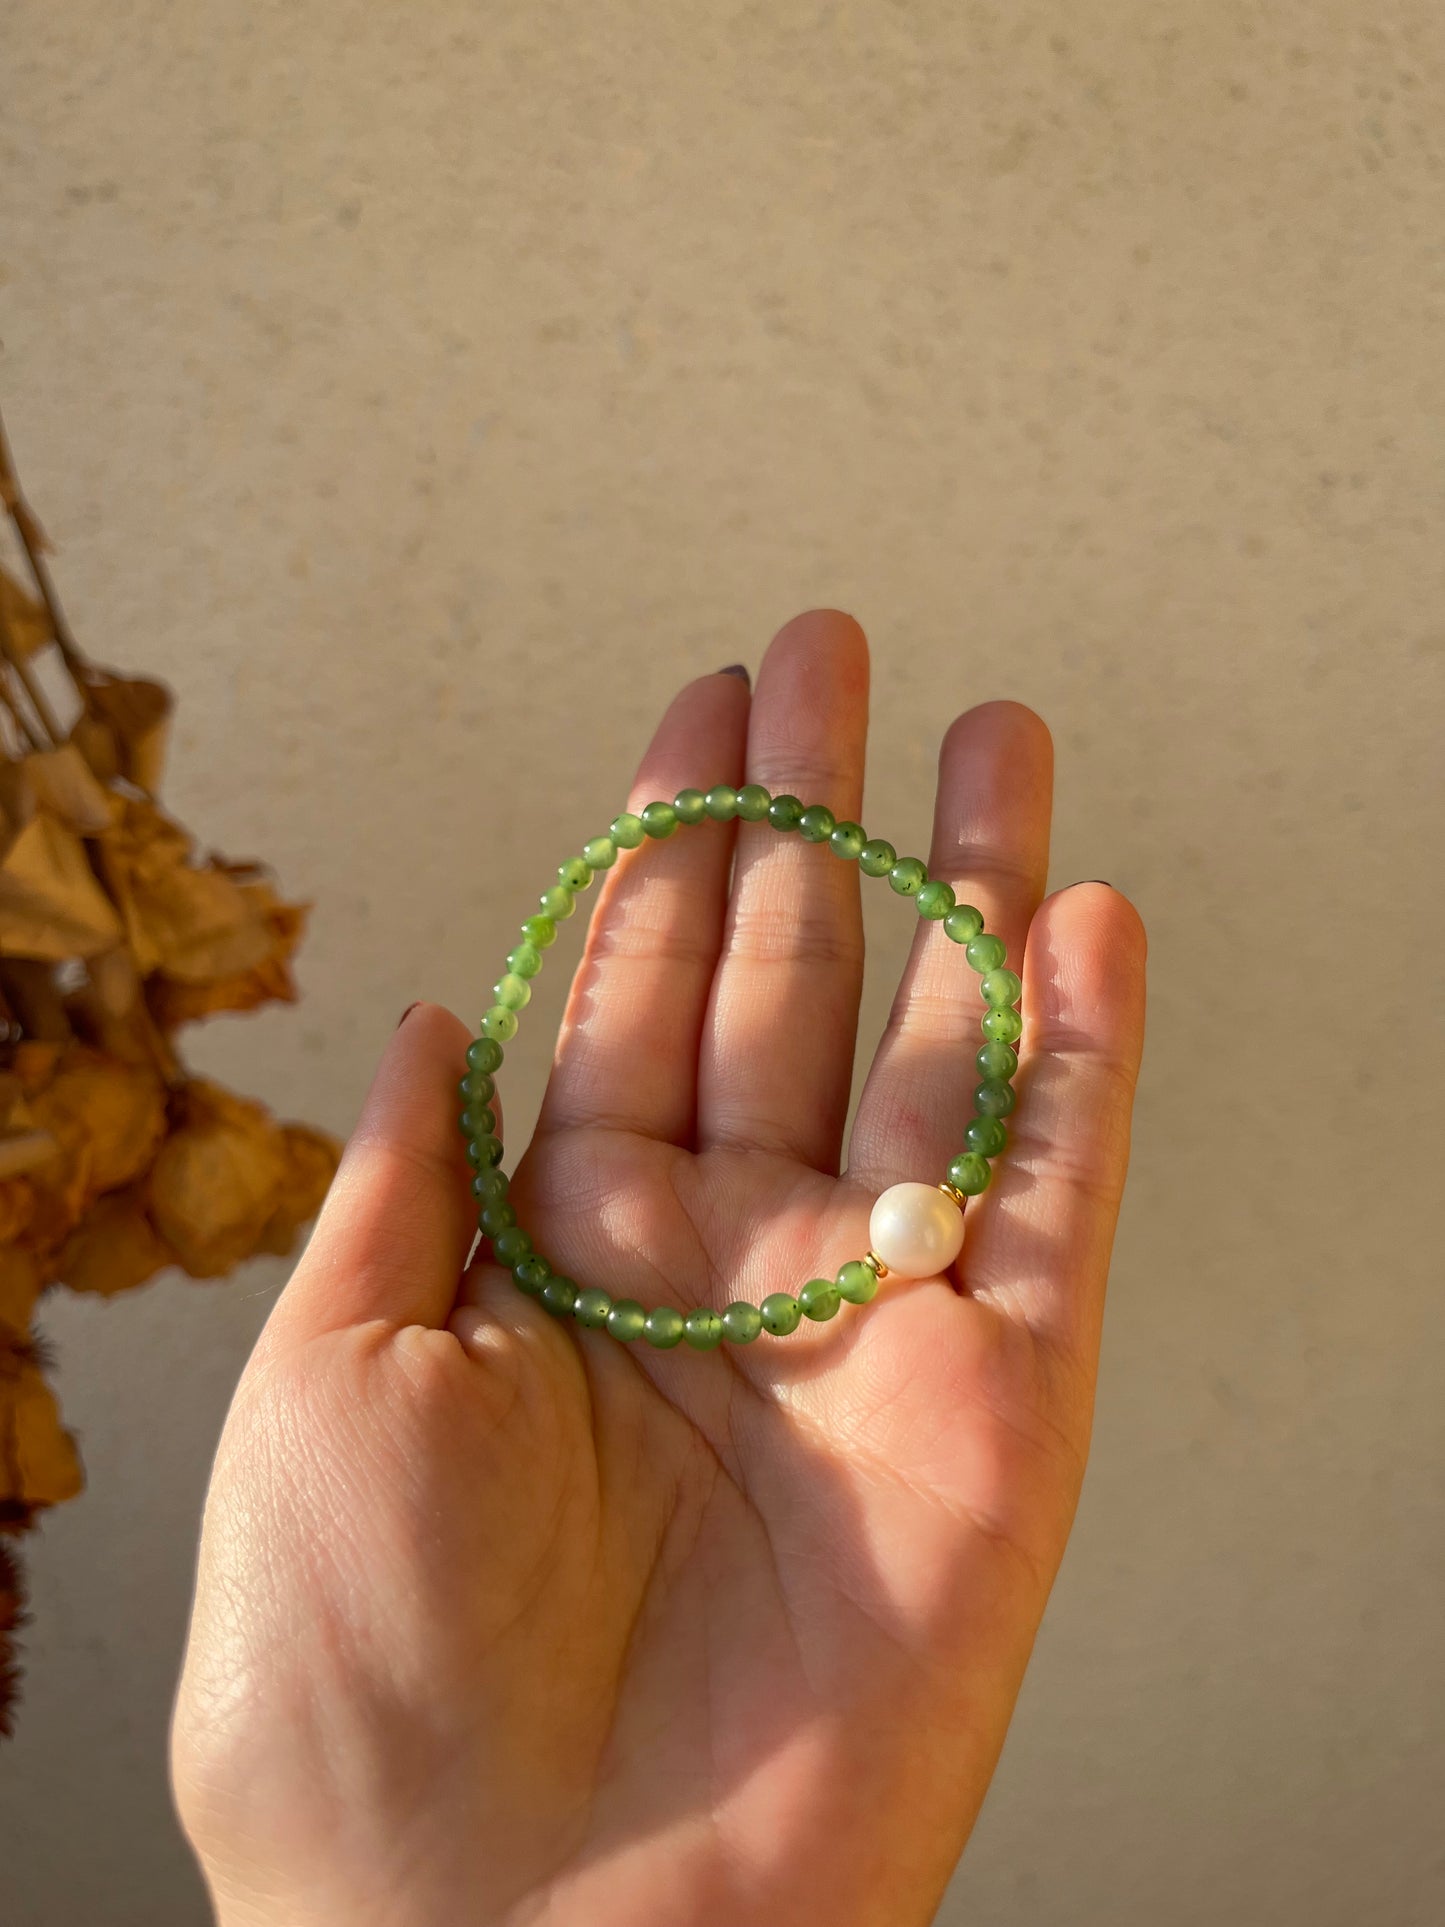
column 872, row 1258
column 960, row 1198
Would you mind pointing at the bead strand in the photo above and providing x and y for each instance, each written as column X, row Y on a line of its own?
column 919, row 1226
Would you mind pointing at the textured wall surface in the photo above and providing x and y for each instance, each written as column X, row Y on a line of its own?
column 426, row 391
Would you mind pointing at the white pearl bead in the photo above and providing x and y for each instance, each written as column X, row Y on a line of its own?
column 916, row 1229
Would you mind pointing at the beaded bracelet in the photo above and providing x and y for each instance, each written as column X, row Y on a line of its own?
column 916, row 1230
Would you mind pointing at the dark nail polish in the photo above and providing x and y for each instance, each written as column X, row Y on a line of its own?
column 739, row 669
column 407, row 1012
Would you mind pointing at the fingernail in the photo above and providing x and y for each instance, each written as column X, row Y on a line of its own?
column 739, row 669
column 407, row 1012
column 1104, row 880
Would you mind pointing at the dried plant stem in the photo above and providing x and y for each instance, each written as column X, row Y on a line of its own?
column 171, row 1070
column 25, row 728
column 38, row 702
column 32, row 540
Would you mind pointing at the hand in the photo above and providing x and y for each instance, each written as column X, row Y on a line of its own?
column 500, row 1621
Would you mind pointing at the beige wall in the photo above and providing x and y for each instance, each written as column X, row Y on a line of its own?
column 426, row 390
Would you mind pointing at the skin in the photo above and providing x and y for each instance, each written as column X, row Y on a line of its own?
column 499, row 1621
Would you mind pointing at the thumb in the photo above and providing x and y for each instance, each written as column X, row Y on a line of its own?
column 394, row 1233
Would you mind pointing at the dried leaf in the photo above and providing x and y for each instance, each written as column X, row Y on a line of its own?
column 98, row 744
column 196, row 923
column 34, row 1063
column 22, row 616
column 173, row 1002
column 20, row 1286
column 105, row 1119
column 216, row 1181
column 51, row 906
column 22, row 1151
column 108, row 1012
column 38, row 1461
column 62, row 1191
column 114, row 982
column 64, row 784
column 106, row 1115
column 115, row 1247
column 17, row 803
column 34, row 999
column 137, row 713
column 311, row 1158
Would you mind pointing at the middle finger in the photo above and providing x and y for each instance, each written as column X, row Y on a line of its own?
column 777, row 1051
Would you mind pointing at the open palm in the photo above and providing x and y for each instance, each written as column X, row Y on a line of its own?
column 498, row 1620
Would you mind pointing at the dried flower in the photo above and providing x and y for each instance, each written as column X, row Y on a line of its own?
column 115, row 930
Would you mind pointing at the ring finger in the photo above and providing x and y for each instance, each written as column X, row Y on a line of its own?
column 991, row 842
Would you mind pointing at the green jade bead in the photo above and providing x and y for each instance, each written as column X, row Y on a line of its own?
column 785, row 812
column 663, row 1327
column 559, row 1295
column 627, row 831
column 525, row 960
column 490, row 1183
column 781, row 1313
column 600, row 853
column 996, row 1059
column 512, row 1246
column 908, row 876
column 539, row 931
column 1001, row 988
column 703, row 1330
column 530, row 1274
column 969, row 1173
column 1005, row 1025
column 500, row 1024
column 512, row 992
column 753, row 801
column 690, row 805
column 659, row 820
column 497, row 1217
column 479, row 1087
column 485, row 1150
column 484, row 1054
column 985, row 952
column 816, row 824
column 721, row 802
column 626, row 1320
column 575, row 873
column 820, row 1299
column 847, row 841
column 986, row 1135
column 963, row 923
column 935, row 900
column 558, row 903
column 994, row 1100
column 857, row 1283
column 478, row 1120
column 592, row 1309
column 877, row 857
column 741, row 1323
